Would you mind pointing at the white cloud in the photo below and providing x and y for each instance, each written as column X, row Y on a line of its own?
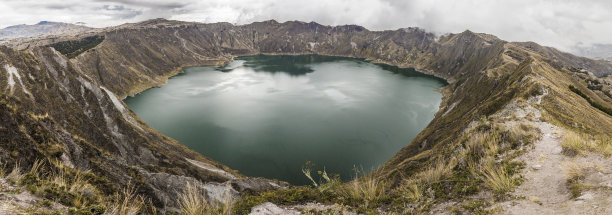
column 559, row 23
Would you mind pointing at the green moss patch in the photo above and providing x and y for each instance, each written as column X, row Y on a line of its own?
column 73, row 48
column 593, row 103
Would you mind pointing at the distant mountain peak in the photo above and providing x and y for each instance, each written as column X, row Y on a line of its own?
column 40, row 28
column 45, row 23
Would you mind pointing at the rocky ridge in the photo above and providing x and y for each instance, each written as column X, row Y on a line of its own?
column 71, row 109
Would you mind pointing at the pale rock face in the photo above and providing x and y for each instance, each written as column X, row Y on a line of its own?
column 11, row 70
column 119, row 105
column 269, row 208
column 12, row 74
column 220, row 192
column 211, row 168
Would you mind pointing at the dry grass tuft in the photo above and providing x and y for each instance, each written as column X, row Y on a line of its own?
column 523, row 134
column 412, row 192
column 367, row 188
column 15, row 175
column 579, row 144
column 497, row 178
column 434, row 173
column 128, row 203
column 574, row 144
column 74, row 182
column 604, row 146
column 481, row 145
column 576, row 173
column 193, row 202
column 36, row 167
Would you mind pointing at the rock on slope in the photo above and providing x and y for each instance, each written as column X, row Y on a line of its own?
column 89, row 126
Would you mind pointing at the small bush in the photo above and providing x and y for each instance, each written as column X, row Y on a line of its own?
column 366, row 190
column 15, row 175
column 604, row 146
column 30, row 179
column 576, row 174
column 475, row 207
column 193, row 202
column 574, row 144
column 126, row 202
column 73, row 48
column 593, row 103
column 93, row 210
column 521, row 134
column 497, row 178
column 413, row 192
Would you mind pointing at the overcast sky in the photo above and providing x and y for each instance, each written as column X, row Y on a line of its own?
column 558, row 23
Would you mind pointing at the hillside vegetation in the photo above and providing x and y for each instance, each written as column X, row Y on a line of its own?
column 72, row 48
column 504, row 102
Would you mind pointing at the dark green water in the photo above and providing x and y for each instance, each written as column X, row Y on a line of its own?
column 267, row 115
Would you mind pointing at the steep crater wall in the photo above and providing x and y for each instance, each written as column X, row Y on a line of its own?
column 88, row 125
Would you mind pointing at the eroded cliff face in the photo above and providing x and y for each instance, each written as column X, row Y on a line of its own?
column 52, row 110
column 71, row 109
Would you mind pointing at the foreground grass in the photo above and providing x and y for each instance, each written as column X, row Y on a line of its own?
column 71, row 190
column 576, row 174
column 193, row 202
column 574, row 144
column 481, row 163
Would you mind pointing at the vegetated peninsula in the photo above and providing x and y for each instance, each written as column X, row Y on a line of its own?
column 511, row 135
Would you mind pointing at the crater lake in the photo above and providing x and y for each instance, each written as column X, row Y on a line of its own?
column 266, row 116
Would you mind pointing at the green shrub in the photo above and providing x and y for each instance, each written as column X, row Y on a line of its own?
column 30, row 179
column 73, row 48
column 58, row 194
column 593, row 103
column 92, row 210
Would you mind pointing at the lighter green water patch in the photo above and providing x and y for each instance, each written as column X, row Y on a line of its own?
column 267, row 115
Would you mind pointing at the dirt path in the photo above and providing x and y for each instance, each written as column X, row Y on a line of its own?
column 545, row 189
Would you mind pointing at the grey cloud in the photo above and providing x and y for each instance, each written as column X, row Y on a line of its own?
column 149, row 4
column 122, row 12
column 560, row 23
column 113, row 7
column 57, row 6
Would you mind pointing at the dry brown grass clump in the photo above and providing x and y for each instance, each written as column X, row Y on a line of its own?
column 523, row 134
column 497, row 178
column 128, row 203
column 576, row 174
column 574, row 144
column 604, row 145
column 368, row 189
column 193, row 201
column 15, row 175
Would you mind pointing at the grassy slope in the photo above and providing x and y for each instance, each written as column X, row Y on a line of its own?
column 485, row 74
